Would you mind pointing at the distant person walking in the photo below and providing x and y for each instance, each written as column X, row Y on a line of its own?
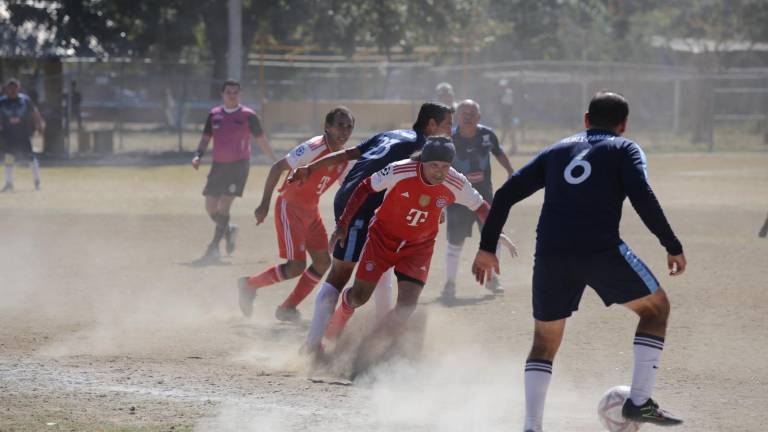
column 231, row 125
column 19, row 120
column 764, row 230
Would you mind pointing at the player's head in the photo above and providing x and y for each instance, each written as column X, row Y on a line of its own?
column 339, row 123
column 607, row 110
column 230, row 93
column 468, row 113
column 436, row 158
column 434, row 119
column 444, row 92
column 12, row 88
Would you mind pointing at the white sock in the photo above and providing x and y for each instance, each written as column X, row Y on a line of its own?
column 325, row 304
column 452, row 255
column 537, row 376
column 8, row 173
column 382, row 294
column 647, row 355
column 35, row 169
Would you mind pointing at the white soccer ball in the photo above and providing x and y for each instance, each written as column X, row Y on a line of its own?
column 609, row 411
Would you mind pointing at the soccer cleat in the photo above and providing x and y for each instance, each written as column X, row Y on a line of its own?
column 764, row 230
column 7, row 188
column 448, row 296
column 229, row 237
column 289, row 314
column 247, row 294
column 649, row 412
column 493, row 285
column 211, row 255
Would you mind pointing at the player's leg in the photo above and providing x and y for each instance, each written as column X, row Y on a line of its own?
column 212, row 208
column 34, row 164
column 547, row 336
column 458, row 228
column 764, row 230
column 321, row 260
column 351, row 299
column 619, row 276
column 8, row 161
column 225, row 230
column 382, row 295
column 326, row 299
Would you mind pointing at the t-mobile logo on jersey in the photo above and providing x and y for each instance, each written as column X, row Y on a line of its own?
column 416, row 217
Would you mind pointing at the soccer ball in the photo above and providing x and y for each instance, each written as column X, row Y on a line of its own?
column 609, row 411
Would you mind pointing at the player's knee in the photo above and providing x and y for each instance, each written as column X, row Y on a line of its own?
column 657, row 309
column 358, row 296
column 321, row 263
column 339, row 274
column 293, row 268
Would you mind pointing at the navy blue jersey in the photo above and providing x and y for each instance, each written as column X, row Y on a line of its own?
column 585, row 179
column 16, row 118
column 473, row 155
column 375, row 153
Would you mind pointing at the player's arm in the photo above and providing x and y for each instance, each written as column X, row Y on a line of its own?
column 500, row 156
column 332, row 159
column 277, row 170
column 260, row 137
column 38, row 119
column 203, row 144
column 378, row 182
column 635, row 181
column 519, row 186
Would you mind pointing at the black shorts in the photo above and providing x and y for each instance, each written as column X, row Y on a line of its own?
column 460, row 219
column 356, row 237
column 227, row 178
column 17, row 148
column 617, row 275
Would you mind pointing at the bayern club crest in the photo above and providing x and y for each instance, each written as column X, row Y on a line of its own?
column 441, row 202
column 300, row 150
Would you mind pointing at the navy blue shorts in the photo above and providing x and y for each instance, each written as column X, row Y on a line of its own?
column 358, row 227
column 617, row 275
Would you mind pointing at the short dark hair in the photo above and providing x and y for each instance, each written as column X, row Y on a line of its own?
column 431, row 111
column 230, row 82
column 13, row 81
column 331, row 116
column 607, row 109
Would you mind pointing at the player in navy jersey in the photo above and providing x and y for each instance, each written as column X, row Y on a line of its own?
column 586, row 178
column 19, row 120
column 474, row 145
column 371, row 156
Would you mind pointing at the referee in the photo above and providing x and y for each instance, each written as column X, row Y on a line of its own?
column 231, row 126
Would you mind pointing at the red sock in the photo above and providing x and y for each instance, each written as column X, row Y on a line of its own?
column 339, row 319
column 304, row 286
column 270, row 276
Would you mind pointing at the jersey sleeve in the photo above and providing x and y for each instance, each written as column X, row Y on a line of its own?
column 383, row 179
column 467, row 195
column 208, row 128
column 520, row 185
column 300, row 155
column 495, row 146
column 634, row 178
column 254, row 124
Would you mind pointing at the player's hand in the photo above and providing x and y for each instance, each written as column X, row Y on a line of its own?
column 261, row 213
column 676, row 264
column 196, row 162
column 339, row 235
column 484, row 263
column 507, row 243
column 300, row 174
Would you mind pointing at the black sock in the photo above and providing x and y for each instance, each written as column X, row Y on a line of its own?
column 222, row 224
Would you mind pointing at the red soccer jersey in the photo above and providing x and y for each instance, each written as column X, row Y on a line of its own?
column 411, row 207
column 308, row 194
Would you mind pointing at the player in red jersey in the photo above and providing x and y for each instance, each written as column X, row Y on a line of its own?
column 299, row 226
column 231, row 125
column 402, row 233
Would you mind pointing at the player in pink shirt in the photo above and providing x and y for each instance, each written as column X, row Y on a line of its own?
column 231, row 125
column 300, row 228
column 402, row 233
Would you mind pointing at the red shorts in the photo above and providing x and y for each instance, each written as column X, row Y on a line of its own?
column 380, row 253
column 298, row 229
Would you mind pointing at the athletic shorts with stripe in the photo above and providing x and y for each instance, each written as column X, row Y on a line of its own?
column 380, row 253
column 617, row 275
column 298, row 229
column 358, row 231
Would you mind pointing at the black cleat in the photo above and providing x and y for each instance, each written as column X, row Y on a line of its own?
column 289, row 314
column 247, row 294
column 229, row 237
column 649, row 412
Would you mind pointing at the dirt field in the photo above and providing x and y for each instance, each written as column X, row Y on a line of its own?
column 104, row 325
